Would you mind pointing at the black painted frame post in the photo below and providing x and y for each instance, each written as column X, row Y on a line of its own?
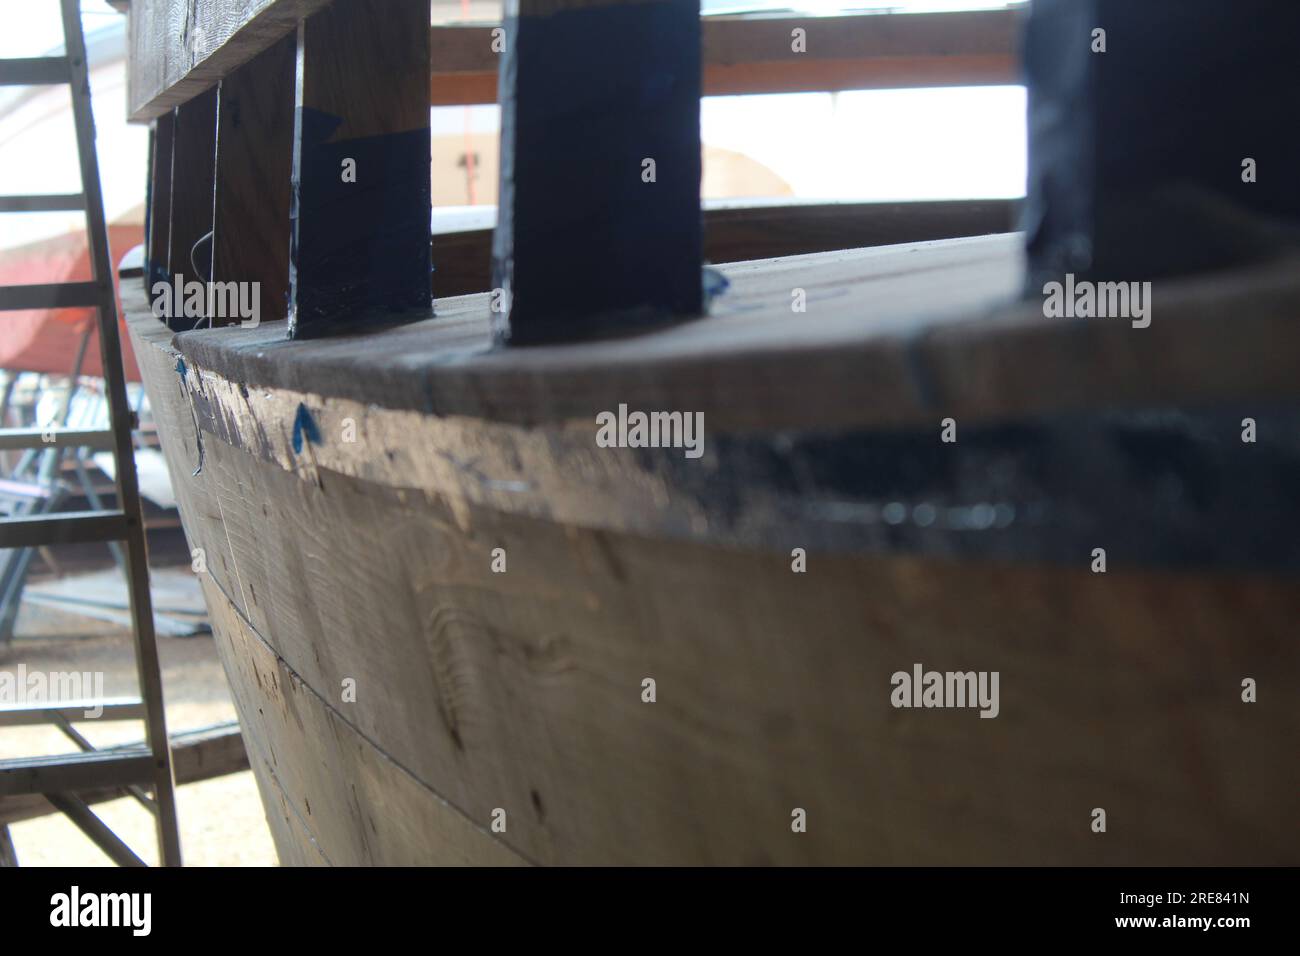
column 159, row 198
column 252, row 195
column 1136, row 153
column 193, row 177
column 599, row 226
column 359, row 250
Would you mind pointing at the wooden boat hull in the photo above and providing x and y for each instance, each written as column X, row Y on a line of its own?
column 405, row 702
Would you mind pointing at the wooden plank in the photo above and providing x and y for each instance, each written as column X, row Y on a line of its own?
column 197, row 755
column 940, row 496
column 294, row 843
column 598, row 225
column 180, row 49
column 207, row 752
column 193, row 172
column 522, row 690
column 360, row 807
column 158, row 236
column 360, row 248
column 894, row 335
column 759, row 55
column 735, row 231
column 251, row 220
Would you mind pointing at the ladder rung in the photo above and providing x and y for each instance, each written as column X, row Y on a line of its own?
column 67, row 527
column 54, row 202
column 54, row 295
column 16, row 439
column 33, row 70
column 66, row 773
column 118, row 708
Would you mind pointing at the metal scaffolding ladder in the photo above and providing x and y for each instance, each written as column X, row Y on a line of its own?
column 129, row 770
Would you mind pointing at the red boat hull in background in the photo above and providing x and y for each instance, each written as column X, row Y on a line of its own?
column 46, row 340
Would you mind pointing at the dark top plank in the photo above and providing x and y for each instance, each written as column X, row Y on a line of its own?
column 899, row 334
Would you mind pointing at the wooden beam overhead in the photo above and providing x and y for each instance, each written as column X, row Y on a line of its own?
column 179, row 48
column 176, row 55
column 765, row 55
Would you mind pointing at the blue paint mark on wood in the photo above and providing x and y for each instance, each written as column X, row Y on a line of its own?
column 585, row 245
column 304, row 428
column 714, row 284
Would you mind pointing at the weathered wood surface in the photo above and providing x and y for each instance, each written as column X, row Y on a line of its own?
column 179, row 48
column 298, row 779
column 358, row 805
column 891, row 336
column 1153, row 466
column 758, row 55
column 522, row 690
column 746, row 229
column 197, row 755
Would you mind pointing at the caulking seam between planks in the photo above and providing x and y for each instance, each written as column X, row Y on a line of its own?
column 360, row 733
column 290, row 805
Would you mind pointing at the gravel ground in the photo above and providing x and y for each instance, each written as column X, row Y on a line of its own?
column 222, row 822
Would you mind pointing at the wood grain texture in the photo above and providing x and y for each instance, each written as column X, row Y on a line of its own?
column 414, row 825
column 181, row 48
column 522, row 690
column 251, row 223
column 354, row 805
column 894, row 335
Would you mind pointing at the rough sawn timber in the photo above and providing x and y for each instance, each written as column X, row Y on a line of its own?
column 476, row 691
